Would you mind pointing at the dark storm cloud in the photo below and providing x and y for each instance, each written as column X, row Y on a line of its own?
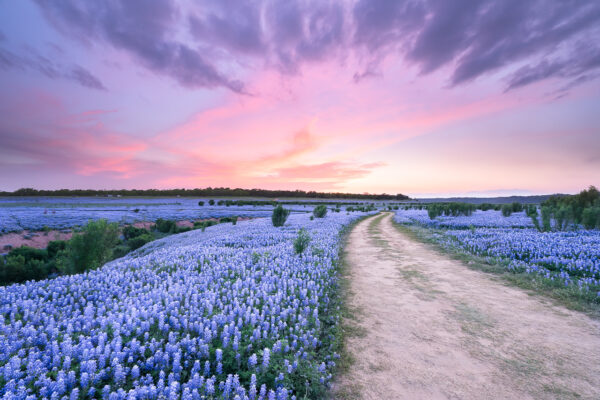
column 468, row 38
column 36, row 62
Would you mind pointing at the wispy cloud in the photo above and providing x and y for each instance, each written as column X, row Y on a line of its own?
column 32, row 61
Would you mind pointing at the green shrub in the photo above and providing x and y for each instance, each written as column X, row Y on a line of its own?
column 590, row 217
column 17, row 268
column 546, row 217
column 29, row 253
column 139, row 241
column 120, row 251
column 279, row 216
column 507, row 210
column 130, row 232
column 200, row 203
column 320, row 211
column 165, row 225
column 54, row 247
column 211, row 202
column 90, row 249
column 517, row 207
column 301, row 241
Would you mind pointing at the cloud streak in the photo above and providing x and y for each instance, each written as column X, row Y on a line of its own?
column 43, row 65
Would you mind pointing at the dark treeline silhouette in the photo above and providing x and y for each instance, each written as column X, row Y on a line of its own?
column 207, row 192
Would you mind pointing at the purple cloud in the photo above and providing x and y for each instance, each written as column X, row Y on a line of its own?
column 144, row 29
column 200, row 45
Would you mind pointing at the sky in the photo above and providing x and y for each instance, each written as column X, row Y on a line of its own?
column 425, row 98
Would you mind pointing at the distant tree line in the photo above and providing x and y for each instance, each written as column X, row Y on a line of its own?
column 206, row 192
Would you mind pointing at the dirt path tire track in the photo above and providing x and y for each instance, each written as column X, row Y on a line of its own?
column 428, row 327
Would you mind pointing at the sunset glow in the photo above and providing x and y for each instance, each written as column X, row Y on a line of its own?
column 359, row 96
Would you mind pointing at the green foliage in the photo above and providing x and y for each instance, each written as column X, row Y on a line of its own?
column 201, row 203
column 29, row 253
column 486, row 206
column 90, row 249
column 590, row 217
column 232, row 219
column 517, row 207
column 320, row 211
column 450, row 209
column 507, row 210
column 211, row 202
column 546, row 217
column 301, row 241
column 165, row 225
column 55, row 247
column 139, row 241
column 204, row 224
column 130, row 232
column 279, row 215
column 568, row 212
column 23, row 264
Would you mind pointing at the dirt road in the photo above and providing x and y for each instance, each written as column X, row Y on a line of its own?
column 427, row 327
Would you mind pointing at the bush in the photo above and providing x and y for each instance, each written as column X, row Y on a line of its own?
column 507, row 210
column 200, row 203
column 139, row 241
column 301, row 241
column 279, row 216
column 90, row 249
column 320, row 211
column 516, row 207
column 211, row 202
column 590, row 217
column 232, row 219
column 29, row 253
column 165, row 225
column 54, row 247
column 18, row 268
column 130, row 232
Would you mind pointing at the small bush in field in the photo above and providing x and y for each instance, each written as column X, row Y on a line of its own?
column 279, row 216
column 301, row 241
column 507, row 210
column 200, row 203
column 320, row 211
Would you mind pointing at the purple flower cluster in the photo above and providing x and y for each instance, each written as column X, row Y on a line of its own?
column 182, row 317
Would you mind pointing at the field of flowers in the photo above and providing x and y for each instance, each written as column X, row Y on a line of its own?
column 17, row 214
column 229, row 313
column 568, row 257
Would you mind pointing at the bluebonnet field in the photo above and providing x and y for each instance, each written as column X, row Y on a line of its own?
column 569, row 257
column 229, row 313
column 17, row 214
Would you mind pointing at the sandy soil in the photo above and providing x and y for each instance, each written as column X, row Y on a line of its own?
column 427, row 327
column 39, row 240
